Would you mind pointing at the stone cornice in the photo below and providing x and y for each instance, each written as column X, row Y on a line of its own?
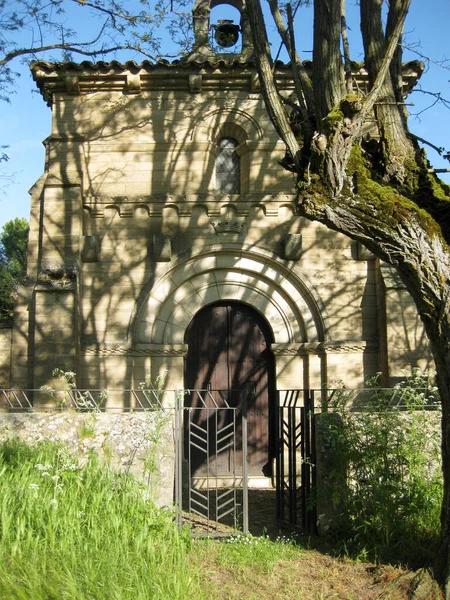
column 190, row 76
column 184, row 204
column 327, row 347
column 122, row 349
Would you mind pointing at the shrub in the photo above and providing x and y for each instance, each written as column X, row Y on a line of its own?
column 388, row 491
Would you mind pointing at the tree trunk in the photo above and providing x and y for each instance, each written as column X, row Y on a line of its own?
column 391, row 226
column 397, row 149
column 423, row 262
column 440, row 347
column 396, row 64
column 274, row 106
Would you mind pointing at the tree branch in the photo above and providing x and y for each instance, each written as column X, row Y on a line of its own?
column 302, row 82
column 383, row 70
column 131, row 19
column 346, row 47
column 272, row 100
column 77, row 48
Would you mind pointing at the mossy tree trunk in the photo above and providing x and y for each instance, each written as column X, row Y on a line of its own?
column 378, row 192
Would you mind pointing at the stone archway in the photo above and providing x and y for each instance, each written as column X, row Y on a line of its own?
column 262, row 281
column 256, row 278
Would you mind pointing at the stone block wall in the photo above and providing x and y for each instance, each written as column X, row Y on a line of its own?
column 138, row 443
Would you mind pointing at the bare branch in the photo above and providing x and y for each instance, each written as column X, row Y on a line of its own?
column 437, row 98
column 301, row 79
column 437, row 63
column 438, row 149
column 77, row 48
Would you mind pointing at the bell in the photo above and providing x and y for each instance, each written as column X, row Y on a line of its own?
column 226, row 33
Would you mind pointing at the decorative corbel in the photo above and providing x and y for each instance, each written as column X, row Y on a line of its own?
column 72, row 84
column 133, row 83
column 293, row 246
column 162, row 248
column 195, row 82
column 90, row 248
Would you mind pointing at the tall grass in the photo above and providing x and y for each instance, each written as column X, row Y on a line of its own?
column 83, row 533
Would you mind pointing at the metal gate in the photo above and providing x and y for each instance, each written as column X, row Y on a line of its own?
column 295, row 459
column 211, row 484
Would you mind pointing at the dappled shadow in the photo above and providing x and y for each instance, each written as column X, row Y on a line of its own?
column 130, row 241
column 129, row 213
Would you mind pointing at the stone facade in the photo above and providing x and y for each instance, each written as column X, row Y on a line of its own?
column 141, row 444
column 130, row 236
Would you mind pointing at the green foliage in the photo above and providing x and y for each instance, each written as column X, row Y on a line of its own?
column 158, row 420
column 45, row 30
column 333, row 119
column 154, row 389
column 13, row 263
column 388, row 482
column 64, row 396
column 83, row 532
column 434, row 196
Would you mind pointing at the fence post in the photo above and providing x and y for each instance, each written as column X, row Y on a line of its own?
column 178, row 439
column 244, row 461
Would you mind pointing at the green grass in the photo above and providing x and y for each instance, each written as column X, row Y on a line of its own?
column 86, row 533
column 83, row 533
column 246, row 550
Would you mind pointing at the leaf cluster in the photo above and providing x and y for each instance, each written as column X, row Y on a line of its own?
column 44, row 28
column 13, row 263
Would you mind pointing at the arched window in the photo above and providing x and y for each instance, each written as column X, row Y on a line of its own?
column 228, row 167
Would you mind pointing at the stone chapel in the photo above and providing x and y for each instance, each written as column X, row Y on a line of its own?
column 164, row 237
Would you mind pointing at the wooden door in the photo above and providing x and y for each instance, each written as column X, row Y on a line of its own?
column 228, row 350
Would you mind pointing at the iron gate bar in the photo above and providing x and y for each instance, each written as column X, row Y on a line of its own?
column 244, row 460
column 306, row 462
column 294, row 436
column 308, row 459
column 213, row 438
column 291, row 442
column 203, row 435
column 279, row 461
column 17, row 403
column 313, row 508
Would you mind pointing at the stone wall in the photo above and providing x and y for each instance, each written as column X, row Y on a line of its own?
column 138, row 443
column 5, row 357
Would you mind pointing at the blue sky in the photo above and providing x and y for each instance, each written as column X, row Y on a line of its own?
column 26, row 121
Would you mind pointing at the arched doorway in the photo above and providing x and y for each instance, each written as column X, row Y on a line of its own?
column 229, row 351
